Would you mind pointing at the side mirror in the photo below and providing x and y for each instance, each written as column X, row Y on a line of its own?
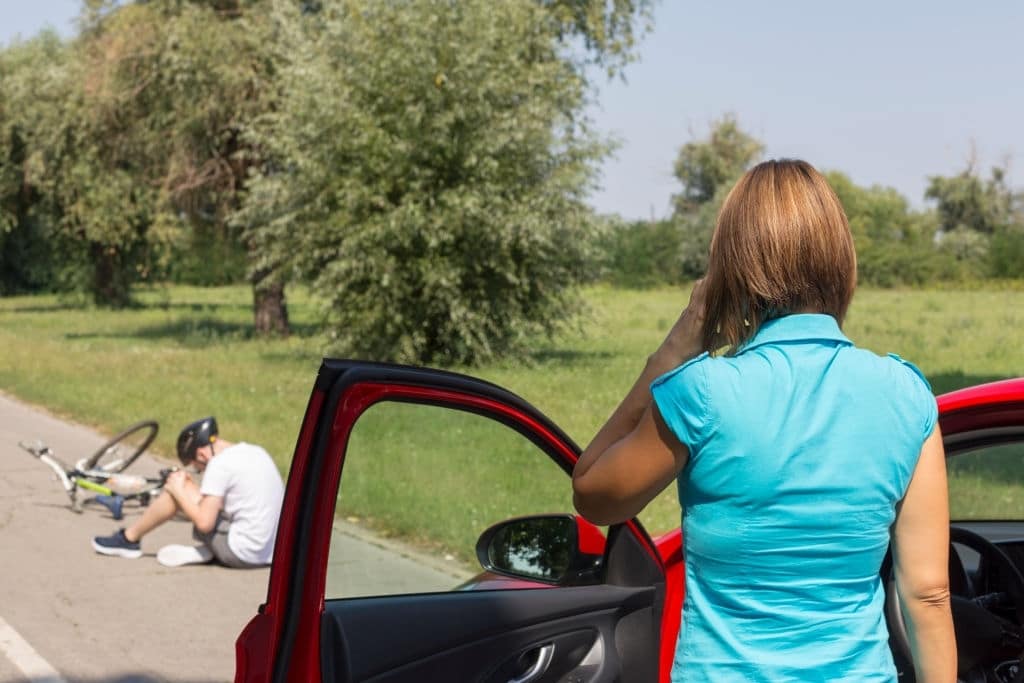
column 559, row 550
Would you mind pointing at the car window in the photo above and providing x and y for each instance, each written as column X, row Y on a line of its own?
column 419, row 484
column 987, row 483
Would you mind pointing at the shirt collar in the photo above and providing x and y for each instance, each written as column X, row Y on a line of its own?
column 797, row 327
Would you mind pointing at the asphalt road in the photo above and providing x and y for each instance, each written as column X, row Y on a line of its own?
column 70, row 615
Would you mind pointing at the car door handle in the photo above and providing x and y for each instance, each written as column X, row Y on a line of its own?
column 540, row 665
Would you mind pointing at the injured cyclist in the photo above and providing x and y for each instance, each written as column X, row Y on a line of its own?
column 234, row 510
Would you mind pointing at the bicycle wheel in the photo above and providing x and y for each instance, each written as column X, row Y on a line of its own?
column 124, row 448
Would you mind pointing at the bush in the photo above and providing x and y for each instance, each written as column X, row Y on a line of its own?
column 1006, row 253
column 642, row 254
column 890, row 264
column 27, row 263
column 207, row 259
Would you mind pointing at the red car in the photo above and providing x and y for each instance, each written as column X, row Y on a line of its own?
column 559, row 599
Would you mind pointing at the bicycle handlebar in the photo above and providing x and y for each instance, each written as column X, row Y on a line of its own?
column 43, row 452
column 39, row 449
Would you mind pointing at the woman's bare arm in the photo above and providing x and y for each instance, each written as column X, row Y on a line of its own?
column 635, row 455
column 920, row 545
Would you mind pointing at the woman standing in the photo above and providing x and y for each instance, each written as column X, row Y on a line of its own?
column 798, row 457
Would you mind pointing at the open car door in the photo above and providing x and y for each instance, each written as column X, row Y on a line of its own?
column 438, row 458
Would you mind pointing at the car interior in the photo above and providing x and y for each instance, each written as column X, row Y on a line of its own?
column 986, row 564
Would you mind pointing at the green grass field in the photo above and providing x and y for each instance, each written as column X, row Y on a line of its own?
column 186, row 352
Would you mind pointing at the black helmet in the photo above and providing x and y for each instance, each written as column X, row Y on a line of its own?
column 194, row 436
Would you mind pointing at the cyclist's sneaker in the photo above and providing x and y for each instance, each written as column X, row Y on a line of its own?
column 117, row 545
column 178, row 555
column 113, row 503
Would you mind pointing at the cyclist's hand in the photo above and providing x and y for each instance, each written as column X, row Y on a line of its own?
column 176, row 481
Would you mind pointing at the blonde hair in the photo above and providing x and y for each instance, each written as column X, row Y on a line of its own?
column 781, row 245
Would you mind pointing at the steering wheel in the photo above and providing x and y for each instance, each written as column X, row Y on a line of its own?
column 984, row 639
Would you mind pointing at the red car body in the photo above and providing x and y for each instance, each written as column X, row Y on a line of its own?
column 282, row 641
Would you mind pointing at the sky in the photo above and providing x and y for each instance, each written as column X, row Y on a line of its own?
column 887, row 92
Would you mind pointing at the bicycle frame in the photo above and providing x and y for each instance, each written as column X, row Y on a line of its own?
column 99, row 481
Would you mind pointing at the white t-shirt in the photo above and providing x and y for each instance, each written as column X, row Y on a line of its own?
column 248, row 480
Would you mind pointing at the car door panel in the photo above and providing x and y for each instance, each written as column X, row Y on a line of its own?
column 602, row 633
column 476, row 636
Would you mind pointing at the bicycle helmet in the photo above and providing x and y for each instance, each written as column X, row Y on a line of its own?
column 194, row 436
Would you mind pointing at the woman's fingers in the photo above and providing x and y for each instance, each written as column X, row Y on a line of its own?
column 684, row 339
column 697, row 295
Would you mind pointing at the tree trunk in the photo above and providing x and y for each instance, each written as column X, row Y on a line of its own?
column 110, row 286
column 270, row 310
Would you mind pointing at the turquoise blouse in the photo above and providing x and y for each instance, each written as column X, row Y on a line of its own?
column 801, row 445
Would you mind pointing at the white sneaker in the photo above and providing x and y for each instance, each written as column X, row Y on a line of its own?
column 178, row 555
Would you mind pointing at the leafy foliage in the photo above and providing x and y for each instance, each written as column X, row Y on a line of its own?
column 707, row 170
column 77, row 173
column 130, row 135
column 436, row 202
column 609, row 29
column 980, row 222
column 696, row 228
column 124, row 155
column 966, row 201
column 706, row 166
column 896, row 244
column 642, row 253
column 207, row 258
column 26, row 262
column 1007, row 251
column 879, row 214
column 898, row 263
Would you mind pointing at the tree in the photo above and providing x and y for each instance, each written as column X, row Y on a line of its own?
column 879, row 215
column 27, row 81
column 1007, row 252
column 427, row 174
column 142, row 132
column 130, row 139
column 177, row 84
column 80, row 171
column 972, row 212
column 695, row 230
column 705, row 166
column 61, row 187
column 642, row 253
column 968, row 202
column 895, row 244
column 609, row 29
column 708, row 169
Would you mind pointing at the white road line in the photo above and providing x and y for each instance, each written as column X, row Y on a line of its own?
column 26, row 659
